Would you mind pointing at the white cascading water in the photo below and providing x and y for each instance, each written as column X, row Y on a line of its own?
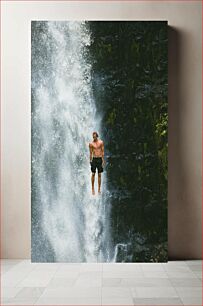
column 75, row 222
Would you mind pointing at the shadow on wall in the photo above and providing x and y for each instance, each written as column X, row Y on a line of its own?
column 183, row 211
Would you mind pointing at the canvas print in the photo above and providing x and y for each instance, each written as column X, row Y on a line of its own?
column 99, row 141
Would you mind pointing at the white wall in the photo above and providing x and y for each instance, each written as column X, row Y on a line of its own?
column 184, row 187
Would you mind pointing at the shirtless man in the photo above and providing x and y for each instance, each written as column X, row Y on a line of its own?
column 96, row 148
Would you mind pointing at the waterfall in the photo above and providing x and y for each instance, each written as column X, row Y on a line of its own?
column 120, row 249
column 69, row 224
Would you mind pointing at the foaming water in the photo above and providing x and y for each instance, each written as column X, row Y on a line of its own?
column 72, row 224
column 120, row 249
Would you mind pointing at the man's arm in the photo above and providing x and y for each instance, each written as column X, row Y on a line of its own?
column 90, row 148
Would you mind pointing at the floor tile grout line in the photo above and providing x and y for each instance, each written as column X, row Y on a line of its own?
column 102, row 283
column 46, row 286
column 180, row 298
column 132, row 294
column 175, row 289
column 16, row 286
column 102, row 268
column 183, row 272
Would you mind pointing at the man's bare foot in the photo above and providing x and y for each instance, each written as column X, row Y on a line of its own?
column 99, row 191
column 93, row 192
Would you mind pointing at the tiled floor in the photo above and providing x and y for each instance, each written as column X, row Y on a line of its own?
column 172, row 283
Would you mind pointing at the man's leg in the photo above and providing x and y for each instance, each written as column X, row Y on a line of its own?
column 99, row 182
column 92, row 179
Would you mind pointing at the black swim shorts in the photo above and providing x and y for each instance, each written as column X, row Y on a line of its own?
column 96, row 163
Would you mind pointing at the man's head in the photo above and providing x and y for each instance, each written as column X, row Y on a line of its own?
column 95, row 135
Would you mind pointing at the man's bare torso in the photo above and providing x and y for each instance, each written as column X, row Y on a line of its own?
column 97, row 148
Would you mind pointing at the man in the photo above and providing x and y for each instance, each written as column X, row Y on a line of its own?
column 96, row 148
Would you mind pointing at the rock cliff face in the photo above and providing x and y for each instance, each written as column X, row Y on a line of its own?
column 130, row 86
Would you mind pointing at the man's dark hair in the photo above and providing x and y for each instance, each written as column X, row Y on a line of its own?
column 95, row 133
